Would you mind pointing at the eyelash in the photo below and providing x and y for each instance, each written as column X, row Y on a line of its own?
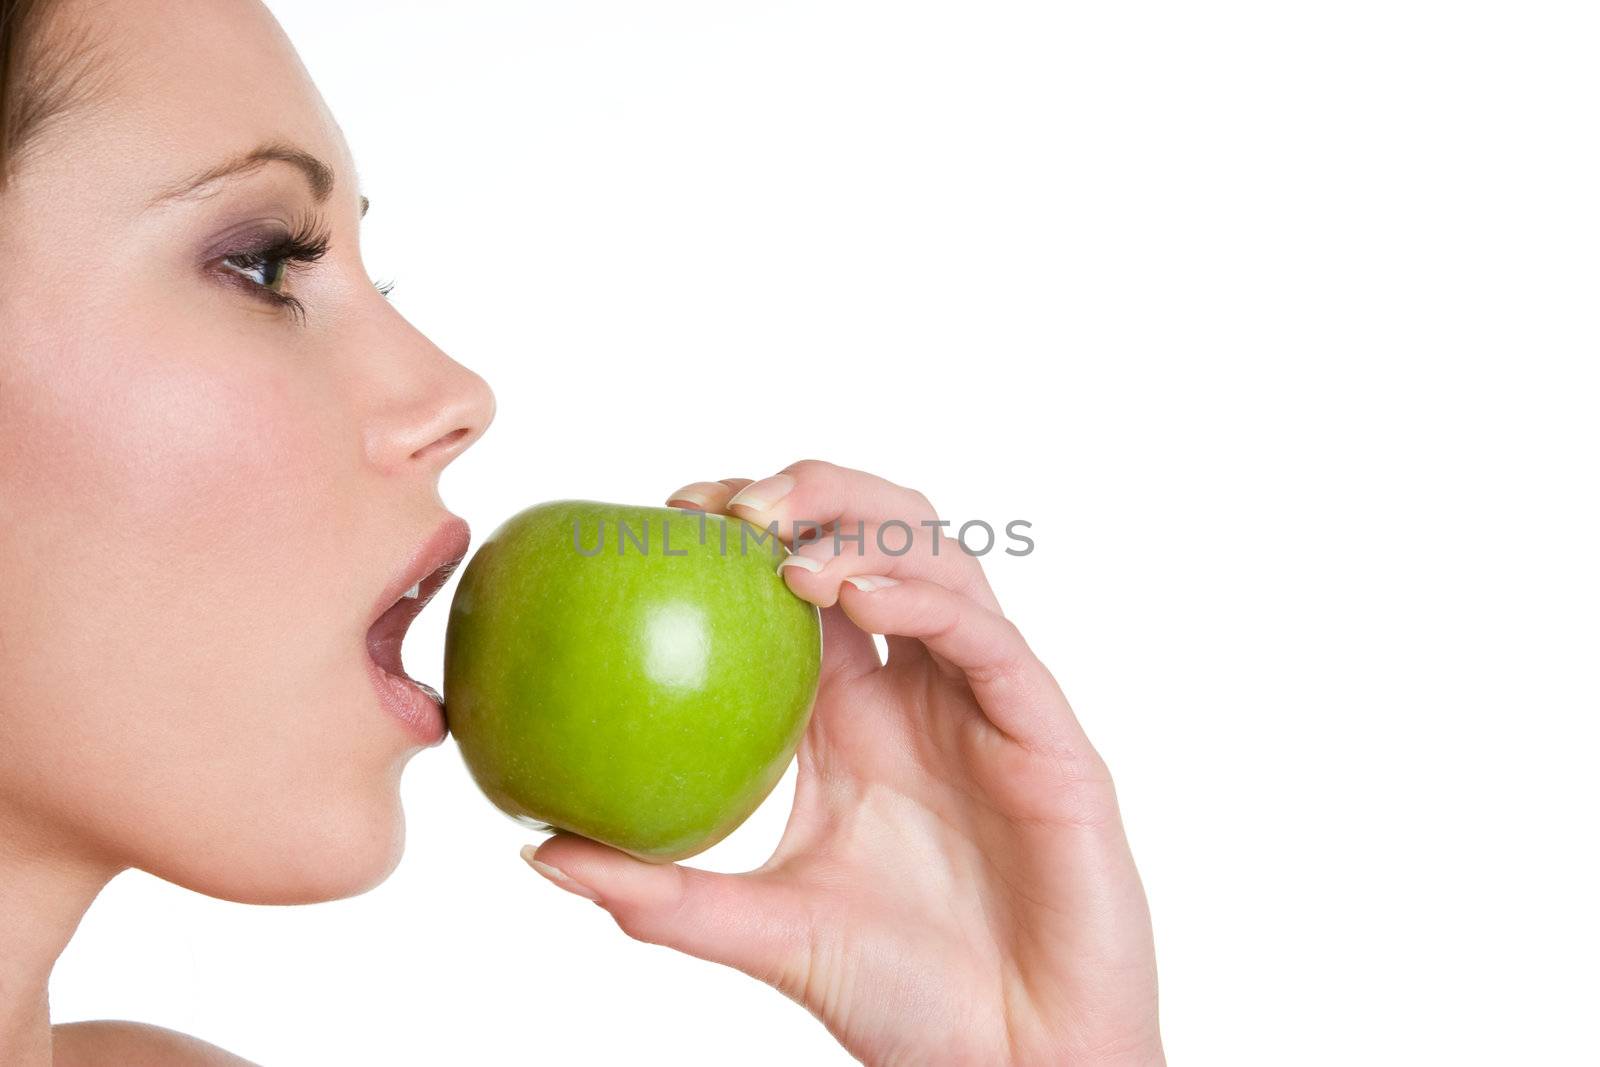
column 307, row 243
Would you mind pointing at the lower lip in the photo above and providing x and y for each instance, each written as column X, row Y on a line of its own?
column 417, row 708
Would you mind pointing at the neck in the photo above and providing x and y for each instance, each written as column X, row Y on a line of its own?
column 44, row 893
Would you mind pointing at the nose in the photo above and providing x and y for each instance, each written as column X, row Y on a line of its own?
column 429, row 408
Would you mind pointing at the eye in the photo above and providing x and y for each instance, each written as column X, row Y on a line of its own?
column 263, row 268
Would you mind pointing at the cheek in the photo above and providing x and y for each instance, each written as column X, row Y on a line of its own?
column 191, row 483
column 183, row 608
column 192, row 448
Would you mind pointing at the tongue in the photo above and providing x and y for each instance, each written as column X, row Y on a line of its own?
column 389, row 632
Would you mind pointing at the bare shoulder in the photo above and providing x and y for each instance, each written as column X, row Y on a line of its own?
column 130, row 1044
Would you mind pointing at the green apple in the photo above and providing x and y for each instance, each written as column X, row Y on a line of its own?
column 637, row 675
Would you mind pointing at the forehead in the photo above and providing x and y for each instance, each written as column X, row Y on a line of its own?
column 180, row 85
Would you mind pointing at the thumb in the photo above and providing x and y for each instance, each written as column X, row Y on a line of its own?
column 747, row 921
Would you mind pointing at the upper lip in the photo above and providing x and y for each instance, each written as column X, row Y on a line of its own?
column 430, row 565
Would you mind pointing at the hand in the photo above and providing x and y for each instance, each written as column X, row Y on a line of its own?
column 953, row 884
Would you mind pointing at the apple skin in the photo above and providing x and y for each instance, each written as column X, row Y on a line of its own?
column 645, row 700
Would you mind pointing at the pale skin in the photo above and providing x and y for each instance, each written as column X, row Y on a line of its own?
column 181, row 457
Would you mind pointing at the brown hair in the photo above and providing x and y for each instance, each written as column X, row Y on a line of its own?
column 19, row 20
column 38, row 81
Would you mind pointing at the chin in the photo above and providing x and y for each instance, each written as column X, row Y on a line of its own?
column 347, row 870
column 331, row 854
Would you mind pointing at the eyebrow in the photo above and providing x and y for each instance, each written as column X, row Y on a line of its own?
column 318, row 174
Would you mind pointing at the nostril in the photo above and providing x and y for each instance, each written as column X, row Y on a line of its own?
column 444, row 443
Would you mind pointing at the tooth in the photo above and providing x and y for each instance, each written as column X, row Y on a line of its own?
column 413, row 592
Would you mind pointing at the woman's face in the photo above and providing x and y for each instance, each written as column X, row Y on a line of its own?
column 207, row 496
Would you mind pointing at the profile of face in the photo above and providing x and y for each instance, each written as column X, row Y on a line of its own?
column 220, row 449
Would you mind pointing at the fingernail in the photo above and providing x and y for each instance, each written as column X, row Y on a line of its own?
column 760, row 496
column 868, row 583
column 805, row 563
column 558, row 876
column 691, row 494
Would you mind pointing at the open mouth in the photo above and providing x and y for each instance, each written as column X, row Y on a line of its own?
column 417, row 704
column 388, row 633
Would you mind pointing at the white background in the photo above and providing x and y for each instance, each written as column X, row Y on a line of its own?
column 1277, row 320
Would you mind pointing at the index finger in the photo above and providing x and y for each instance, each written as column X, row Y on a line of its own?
column 815, row 494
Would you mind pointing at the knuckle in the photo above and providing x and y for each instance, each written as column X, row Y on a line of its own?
column 1091, row 797
column 807, row 468
column 951, row 619
column 1011, row 654
column 968, row 574
column 1005, row 668
column 636, row 924
column 920, row 501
